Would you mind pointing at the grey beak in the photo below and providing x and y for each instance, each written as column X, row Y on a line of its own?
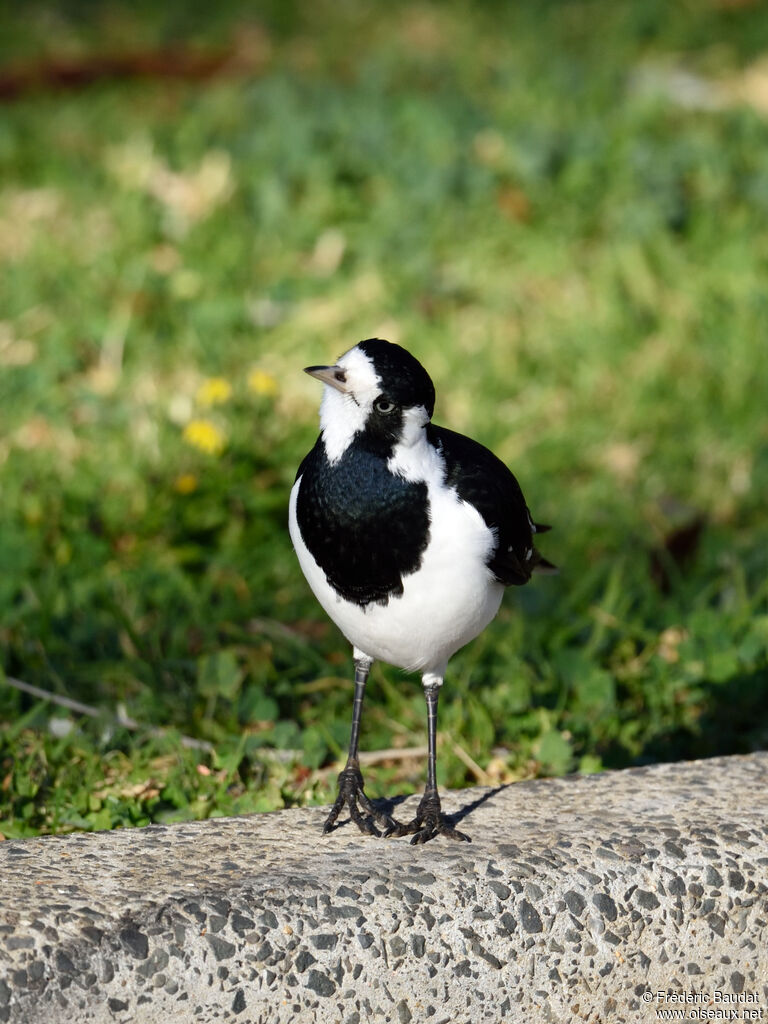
column 334, row 376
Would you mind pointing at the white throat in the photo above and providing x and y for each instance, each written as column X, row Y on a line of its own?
column 342, row 416
column 340, row 419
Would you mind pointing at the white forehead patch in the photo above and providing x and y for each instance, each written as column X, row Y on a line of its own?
column 342, row 415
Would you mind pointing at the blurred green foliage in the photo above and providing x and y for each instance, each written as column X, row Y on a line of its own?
column 560, row 208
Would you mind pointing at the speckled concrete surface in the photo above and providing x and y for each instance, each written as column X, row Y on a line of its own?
column 580, row 899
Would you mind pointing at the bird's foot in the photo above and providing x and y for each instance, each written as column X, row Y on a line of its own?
column 360, row 808
column 429, row 823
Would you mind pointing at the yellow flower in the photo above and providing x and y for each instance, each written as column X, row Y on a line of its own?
column 186, row 483
column 205, row 436
column 262, row 383
column 214, row 391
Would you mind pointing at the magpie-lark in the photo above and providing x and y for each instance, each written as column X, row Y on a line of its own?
column 407, row 533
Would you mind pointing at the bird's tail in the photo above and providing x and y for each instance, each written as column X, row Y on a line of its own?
column 543, row 566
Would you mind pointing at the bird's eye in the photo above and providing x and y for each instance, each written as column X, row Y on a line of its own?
column 340, row 376
column 383, row 405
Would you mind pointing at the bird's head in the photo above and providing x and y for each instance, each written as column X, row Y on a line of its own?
column 376, row 389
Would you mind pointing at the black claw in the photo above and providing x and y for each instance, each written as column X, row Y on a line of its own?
column 352, row 797
column 440, row 828
column 430, row 822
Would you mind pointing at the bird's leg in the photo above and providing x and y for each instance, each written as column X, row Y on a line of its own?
column 351, row 792
column 430, row 821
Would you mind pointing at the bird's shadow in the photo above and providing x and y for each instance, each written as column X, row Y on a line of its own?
column 467, row 809
column 387, row 805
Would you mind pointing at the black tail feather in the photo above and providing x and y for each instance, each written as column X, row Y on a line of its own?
column 545, row 567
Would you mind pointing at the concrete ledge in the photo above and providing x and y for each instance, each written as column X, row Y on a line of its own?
column 579, row 899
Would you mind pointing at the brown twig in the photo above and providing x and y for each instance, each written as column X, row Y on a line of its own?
column 86, row 709
column 482, row 776
column 58, row 74
column 370, row 757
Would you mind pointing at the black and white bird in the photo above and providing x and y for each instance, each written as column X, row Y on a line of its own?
column 407, row 534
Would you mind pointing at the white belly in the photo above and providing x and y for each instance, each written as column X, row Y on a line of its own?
column 449, row 600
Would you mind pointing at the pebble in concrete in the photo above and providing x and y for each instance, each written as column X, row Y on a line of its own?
column 577, row 898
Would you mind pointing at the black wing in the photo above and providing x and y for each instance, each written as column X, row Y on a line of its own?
column 483, row 480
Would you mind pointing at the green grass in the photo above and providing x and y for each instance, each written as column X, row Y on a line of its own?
column 577, row 258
